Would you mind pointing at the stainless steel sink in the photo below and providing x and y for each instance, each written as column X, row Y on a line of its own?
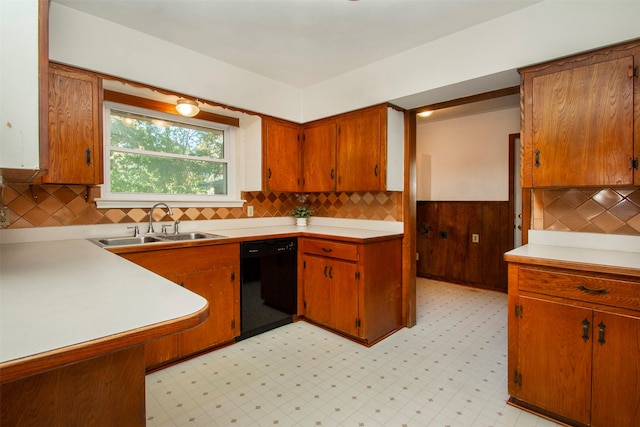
column 189, row 236
column 156, row 238
column 122, row 241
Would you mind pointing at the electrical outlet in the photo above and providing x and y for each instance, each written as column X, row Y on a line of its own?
column 249, row 210
column 5, row 218
column 475, row 238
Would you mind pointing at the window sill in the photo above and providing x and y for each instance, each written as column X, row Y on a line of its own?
column 183, row 203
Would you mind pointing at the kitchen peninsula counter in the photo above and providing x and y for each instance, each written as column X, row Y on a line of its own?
column 73, row 321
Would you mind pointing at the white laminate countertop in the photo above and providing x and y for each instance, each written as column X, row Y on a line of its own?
column 611, row 254
column 57, row 289
column 55, row 294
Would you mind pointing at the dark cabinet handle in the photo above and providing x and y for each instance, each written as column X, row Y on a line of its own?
column 88, row 156
column 593, row 291
column 601, row 327
column 325, row 270
column 375, row 170
column 330, row 272
column 537, row 158
column 333, row 173
column 269, row 173
column 585, row 330
column 327, row 249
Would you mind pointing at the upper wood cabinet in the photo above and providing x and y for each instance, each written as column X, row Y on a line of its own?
column 581, row 120
column 361, row 154
column 75, row 127
column 356, row 151
column 281, row 142
column 319, row 156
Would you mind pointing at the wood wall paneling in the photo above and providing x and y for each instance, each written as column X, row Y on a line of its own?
column 445, row 247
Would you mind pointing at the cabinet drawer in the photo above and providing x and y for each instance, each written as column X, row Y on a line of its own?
column 616, row 293
column 328, row 248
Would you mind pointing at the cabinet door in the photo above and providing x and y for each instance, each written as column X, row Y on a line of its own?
column 319, row 157
column 343, row 297
column 75, row 150
column 316, row 289
column 359, row 163
column 217, row 287
column 616, row 370
column 282, row 155
column 554, row 358
column 582, row 125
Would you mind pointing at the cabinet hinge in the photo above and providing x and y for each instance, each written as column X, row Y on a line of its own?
column 357, row 323
column 634, row 163
column 633, row 71
column 304, row 264
column 519, row 311
column 233, row 324
column 304, row 304
column 357, row 275
column 517, row 378
column 233, row 276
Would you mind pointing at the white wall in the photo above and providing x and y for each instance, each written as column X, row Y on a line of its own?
column 79, row 39
column 466, row 158
column 478, row 59
column 475, row 60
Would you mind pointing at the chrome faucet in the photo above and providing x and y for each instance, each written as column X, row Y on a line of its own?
column 150, row 230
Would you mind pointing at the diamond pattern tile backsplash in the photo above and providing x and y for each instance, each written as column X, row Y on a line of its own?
column 591, row 210
column 56, row 205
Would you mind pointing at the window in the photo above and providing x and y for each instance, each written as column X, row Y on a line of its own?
column 152, row 156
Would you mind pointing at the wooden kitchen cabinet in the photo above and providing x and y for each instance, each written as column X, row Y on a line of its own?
column 361, row 150
column 319, row 157
column 281, row 155
column 574, row 338
column 213, row 273
column 75, row 127
column 581, row 120
column 352, row 288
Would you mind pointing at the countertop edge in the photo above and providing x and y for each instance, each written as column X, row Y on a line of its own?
column 64, row 356
column 573, row 265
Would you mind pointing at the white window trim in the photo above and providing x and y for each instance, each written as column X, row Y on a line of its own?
column 146, row 200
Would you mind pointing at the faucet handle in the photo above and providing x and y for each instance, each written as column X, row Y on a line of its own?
column 175, row 227
column 136, row 230
column 164, row 228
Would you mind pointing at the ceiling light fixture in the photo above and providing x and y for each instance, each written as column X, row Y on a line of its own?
column 425, row 113
column 187, row 107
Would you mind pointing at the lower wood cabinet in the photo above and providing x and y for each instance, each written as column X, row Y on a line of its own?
column 574, row 345
column 210, row 271
column 352, row 288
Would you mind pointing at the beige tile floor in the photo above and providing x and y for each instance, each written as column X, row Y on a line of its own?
column 448, row 370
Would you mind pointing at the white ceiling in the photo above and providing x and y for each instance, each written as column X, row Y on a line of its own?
column 298, row 42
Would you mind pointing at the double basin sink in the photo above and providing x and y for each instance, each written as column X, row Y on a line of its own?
column 109, row 242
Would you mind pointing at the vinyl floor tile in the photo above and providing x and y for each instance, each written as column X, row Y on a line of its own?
column 448, row 370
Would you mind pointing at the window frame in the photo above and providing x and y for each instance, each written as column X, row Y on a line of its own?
column 109, row 199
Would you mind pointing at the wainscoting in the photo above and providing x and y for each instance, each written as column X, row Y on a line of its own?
column 444, row 242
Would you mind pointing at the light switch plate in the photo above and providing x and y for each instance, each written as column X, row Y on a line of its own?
column 249, row 210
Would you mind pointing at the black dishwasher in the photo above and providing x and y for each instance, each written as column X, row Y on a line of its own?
column 268, row 285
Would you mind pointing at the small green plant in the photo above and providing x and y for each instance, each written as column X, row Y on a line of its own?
column 302, row 211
